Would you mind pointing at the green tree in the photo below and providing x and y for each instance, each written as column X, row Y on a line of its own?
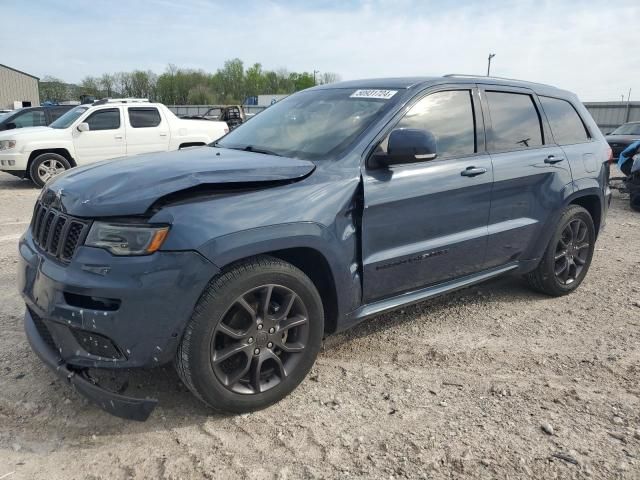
column 53, row 89
column 90, row 86
column 107, row 83
column 200, row 95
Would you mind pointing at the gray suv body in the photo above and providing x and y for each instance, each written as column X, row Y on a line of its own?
column 336, row 204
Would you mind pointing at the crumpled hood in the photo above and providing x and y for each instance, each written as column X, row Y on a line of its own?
column 130, row 185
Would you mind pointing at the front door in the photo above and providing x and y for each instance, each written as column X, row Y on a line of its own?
column 531, row 173
column 105, row 138
column 426, row 223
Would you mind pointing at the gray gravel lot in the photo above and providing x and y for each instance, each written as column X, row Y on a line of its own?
column 491, row 382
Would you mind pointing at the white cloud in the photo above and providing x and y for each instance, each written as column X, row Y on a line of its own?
column 576, row 46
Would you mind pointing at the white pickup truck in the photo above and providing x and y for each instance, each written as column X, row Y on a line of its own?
column 106, row 129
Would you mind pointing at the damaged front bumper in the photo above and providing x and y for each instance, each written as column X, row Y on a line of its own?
column 114, row 403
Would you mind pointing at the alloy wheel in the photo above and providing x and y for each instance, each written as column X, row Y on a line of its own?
column 260, row 339
column 49, row 169
column 572, row 251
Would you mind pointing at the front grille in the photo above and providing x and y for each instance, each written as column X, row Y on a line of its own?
column 43, row 330
column 56, row 233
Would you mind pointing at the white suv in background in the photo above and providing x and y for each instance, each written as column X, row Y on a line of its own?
column 106, row 129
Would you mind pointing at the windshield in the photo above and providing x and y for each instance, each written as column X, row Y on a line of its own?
column 68, row 118
column 5, row 115
column 311, row 125
column 627, row 129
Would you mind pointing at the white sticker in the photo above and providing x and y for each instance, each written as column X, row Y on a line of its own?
column 383, row 94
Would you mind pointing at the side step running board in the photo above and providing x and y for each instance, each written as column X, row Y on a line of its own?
column 416, row 296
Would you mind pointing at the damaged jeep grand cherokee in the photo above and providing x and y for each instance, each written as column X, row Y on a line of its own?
column 341, row 202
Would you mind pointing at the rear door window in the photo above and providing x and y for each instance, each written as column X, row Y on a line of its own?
column 144, row 117
column 107, row 119
column 515, row 122
column 566, row 125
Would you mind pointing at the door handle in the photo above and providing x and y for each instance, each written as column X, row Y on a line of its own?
column 473, row 171
column 552, row 159
column 163, row 134
column 118, row 137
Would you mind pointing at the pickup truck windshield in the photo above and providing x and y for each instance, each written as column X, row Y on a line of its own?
column 312, row 125
column 68, row 118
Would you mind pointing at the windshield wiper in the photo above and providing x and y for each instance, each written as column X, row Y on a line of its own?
column 250, row 148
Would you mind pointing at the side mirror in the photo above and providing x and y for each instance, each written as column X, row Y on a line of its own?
column 83, row 127
column 10, row 126
column 408, row 145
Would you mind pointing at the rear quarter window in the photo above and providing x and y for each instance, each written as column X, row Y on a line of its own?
column 566, row 125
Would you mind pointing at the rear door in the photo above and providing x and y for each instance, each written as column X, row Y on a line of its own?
column 570, row 133
column 105, row 138
column 530, row 172
column 426, row 223
column 147, row 131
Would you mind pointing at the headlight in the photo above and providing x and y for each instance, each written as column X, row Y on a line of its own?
column 7, row 144
column 122, row 239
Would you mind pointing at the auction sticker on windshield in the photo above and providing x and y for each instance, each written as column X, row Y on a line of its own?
column 383, row 94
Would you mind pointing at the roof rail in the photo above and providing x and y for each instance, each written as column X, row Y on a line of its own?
column 464, row 75
column 120, row 100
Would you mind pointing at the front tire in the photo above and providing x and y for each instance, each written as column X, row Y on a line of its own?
column 253, row 336
column 47, row 166
column 568, row 256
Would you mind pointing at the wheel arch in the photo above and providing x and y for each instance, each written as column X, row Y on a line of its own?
column 302, row 245
column 60, row 151
column 591, row 201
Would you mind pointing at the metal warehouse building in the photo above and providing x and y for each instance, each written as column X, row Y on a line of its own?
column 17, row 89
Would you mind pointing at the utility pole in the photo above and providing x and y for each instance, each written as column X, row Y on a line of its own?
column 626, row 116
column 491, row 55
column 314, row 76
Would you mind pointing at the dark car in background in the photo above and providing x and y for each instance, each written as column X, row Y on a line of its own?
column 334, row 205
column 623, row 136
column 32, row 116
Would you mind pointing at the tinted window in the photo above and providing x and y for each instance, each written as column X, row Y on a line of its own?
column 56, row 113
column 566, row 125
column 449, row 116
column 104, row 120
column 34, row 118
column 144, row 117
column 515, row 122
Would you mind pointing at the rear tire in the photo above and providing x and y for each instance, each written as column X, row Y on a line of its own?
column 254, row 335
column 46, row 167
column 568, row 256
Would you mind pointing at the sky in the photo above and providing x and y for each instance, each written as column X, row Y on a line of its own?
column 589, row 47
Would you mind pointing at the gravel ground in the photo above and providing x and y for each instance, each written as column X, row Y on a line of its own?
column 491, row 382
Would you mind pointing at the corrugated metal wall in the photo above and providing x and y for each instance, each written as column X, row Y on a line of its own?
column 609, row 115
column 16, row 86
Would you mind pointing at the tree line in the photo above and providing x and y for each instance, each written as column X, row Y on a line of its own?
column 230, row 84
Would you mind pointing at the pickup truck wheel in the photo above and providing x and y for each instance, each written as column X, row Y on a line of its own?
column 566, row 261
column 254, row 335
column 46, row 166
